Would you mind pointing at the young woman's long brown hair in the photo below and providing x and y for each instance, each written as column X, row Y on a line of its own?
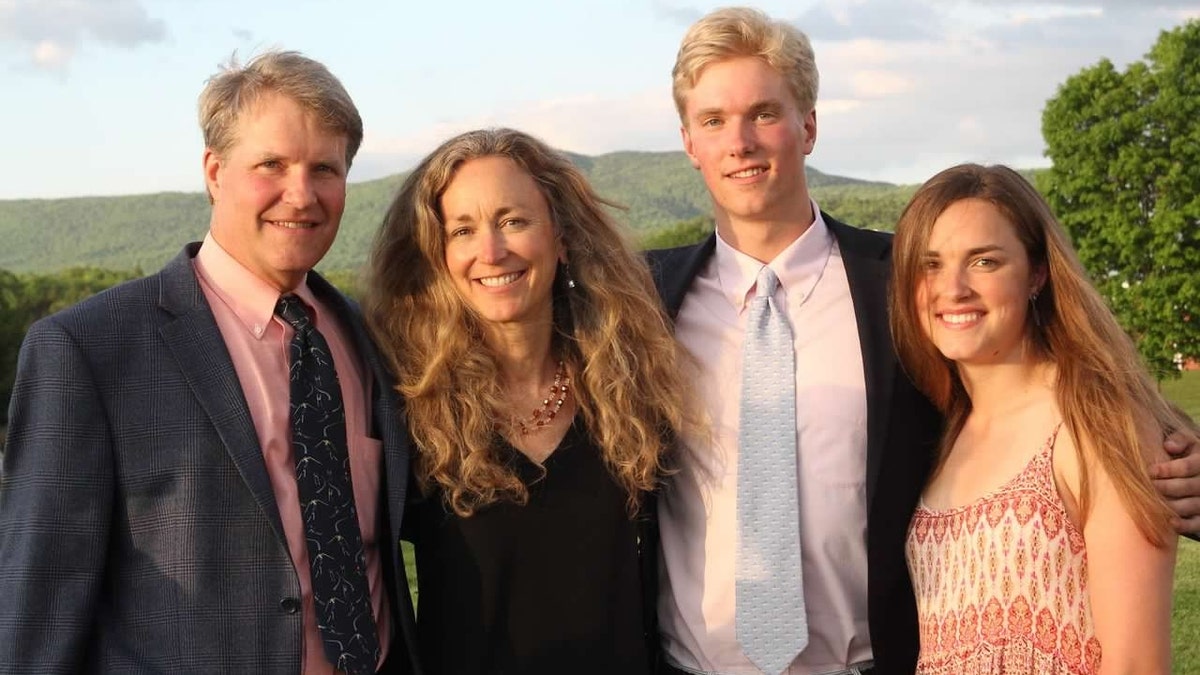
column 1105, row 394
column 610, row 328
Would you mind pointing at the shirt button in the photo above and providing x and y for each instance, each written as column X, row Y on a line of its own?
column 289, row 605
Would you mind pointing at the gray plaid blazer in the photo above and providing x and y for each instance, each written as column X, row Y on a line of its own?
column 138, row 528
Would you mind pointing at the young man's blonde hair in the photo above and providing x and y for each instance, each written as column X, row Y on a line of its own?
column 734, row 32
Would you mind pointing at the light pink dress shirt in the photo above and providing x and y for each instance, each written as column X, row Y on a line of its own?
column 698, row 511
column 244, row 308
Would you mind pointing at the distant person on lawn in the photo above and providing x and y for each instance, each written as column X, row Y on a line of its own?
column 205, row 468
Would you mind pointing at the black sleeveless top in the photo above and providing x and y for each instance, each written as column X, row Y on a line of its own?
column 553, row 586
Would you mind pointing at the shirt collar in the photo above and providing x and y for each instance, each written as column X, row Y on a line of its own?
column 251, row 299
column 798, row 267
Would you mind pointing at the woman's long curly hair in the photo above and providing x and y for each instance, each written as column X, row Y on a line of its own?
column 1106, row 397
column 609, row 328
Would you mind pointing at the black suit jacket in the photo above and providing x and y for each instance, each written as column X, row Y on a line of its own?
column 138, row 528
column 902, row 430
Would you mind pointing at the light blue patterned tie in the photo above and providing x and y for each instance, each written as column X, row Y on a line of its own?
column 771, row 623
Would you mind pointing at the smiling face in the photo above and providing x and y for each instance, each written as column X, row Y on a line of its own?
column 278, row 192
column 502, row 247
column 976, row 284
column 746, row 134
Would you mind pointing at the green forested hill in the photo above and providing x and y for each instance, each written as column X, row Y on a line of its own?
column 659, row 189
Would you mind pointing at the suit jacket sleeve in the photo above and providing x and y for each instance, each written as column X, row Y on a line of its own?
column 56, row 490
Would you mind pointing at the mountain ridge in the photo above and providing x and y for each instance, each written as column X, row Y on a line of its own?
column 143, row 231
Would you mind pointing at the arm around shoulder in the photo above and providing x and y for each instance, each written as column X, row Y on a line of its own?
column 56, row 487
column 1177, row 478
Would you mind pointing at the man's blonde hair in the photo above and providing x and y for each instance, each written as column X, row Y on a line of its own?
column 237, row 88
column 734, row 32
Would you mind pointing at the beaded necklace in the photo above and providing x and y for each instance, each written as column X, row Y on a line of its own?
column 545, row 413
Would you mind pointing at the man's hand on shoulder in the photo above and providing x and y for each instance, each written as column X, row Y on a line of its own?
column 1178, row 480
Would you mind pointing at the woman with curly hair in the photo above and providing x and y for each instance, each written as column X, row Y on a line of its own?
column 1040, row 544
column 543, row 391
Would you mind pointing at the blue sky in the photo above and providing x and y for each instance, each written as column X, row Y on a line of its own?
column 99, row 96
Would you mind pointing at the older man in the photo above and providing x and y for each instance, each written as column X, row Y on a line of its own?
column 205, row 471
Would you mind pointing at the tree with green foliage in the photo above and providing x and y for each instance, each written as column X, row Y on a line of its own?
column 12, row 329
column 685, row 232
column 27, row 298
column 871, row 207
column 1125, row 182
column 349, row 282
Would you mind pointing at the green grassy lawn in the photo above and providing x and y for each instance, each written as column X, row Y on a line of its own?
column 1185, row 392
column 1185, row 624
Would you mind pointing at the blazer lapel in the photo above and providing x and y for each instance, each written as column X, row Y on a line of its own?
column 674, row 269
column 192, row 336
column 866, row 256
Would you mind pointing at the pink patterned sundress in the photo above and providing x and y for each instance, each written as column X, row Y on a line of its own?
column 1001, row 583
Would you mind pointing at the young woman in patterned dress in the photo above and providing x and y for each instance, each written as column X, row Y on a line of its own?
column 1040, row 545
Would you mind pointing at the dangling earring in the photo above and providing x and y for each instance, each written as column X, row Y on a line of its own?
column 1037, row 320
column 567, row 275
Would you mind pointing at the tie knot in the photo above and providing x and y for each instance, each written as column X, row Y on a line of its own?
column 767, row 282
column 291, row 309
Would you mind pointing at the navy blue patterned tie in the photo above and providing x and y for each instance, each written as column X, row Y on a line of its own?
column 770, row 618
column 335, row 551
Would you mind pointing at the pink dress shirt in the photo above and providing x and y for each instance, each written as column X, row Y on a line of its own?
column 244, row 308
column 698, row 511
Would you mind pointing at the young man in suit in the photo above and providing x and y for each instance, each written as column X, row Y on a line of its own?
column 745, row 87
column 159, row 507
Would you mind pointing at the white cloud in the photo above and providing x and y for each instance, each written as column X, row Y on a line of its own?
column 1051, row 13
column 902, row 109
column 582, row 123
column 970, row 126
column 895, row 20
column 895, row 104
column 50, row 32
column 682, row 16
column 51, row 55
column 861, row 51
column 936, row 103
column 836, row 106
column 880, row 83
column 890, row 109
column 1089, row 4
